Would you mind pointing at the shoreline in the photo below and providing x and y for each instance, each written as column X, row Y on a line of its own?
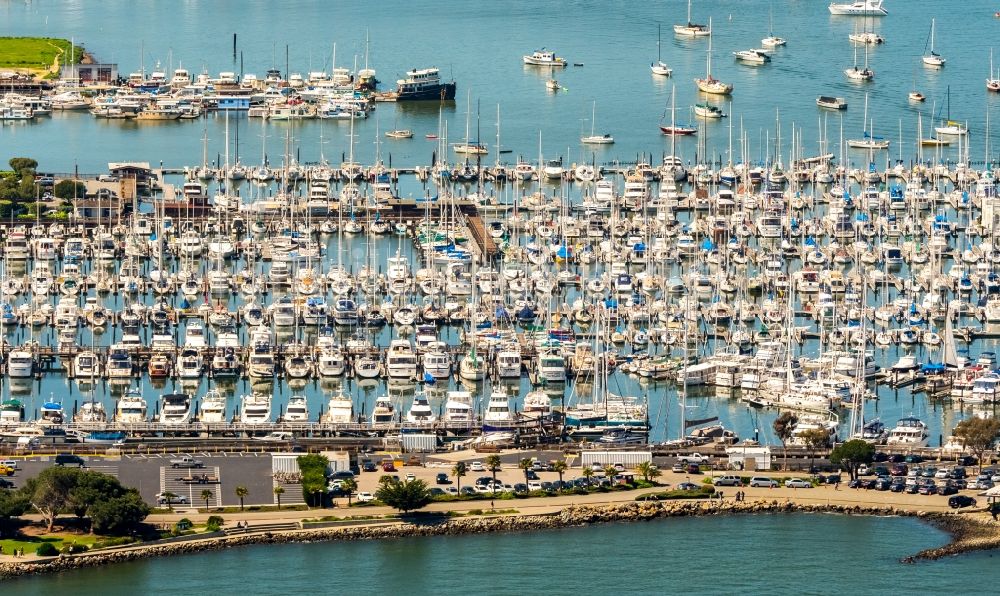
column 968, row 533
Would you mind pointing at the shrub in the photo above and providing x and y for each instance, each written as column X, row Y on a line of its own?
column 73, row 548
column 114, row 542
column 214, row 523
column 46, row 550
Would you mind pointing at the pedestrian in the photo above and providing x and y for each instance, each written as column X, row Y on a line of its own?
column 492, row 507
column 836, row 485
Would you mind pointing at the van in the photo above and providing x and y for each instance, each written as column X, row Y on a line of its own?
column 68, row 459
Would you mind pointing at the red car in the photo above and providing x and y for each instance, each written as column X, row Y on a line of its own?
column 388, row 467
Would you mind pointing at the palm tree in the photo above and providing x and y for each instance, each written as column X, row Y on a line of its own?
column 349, row 485
column 587, row 472
column 278, row 491
column 525, row 465
column 648, row 470
column 559, row 467
column 206, row 495
column 241, row 493
column 458, row 471
column 610, row 472
column 169, row 498
column 494, row 465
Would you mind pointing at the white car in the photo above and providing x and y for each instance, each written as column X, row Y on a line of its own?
column 410, row 477
column 534, row 485
column 10, row 463
column 161, row 499
column 797, row 483
column 763, row 482
column 365, row 497
column 477, row 466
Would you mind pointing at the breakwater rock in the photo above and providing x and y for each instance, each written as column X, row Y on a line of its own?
column 968, row 533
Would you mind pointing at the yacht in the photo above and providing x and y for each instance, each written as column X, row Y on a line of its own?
column 345, row 312
column 261, row 364
column 831, row 103
column 909, row 432
column 297, row 410
column 400, row 360
column 175, row 408
column 51, row 412
column 255, row 409
column 383, row 412
column 213, row 407
column 544, row 57
column 458, row 407
column 874, row 431
column 752, row 56
column 11, row 412
column 551, row 367
column 859, row 8
column 131, row 408
column 20, row 364
column 92, row 411
column 420, row 411
column 437, row 361
column 331, row 362
column 86, row 366
column 472, row 367
column 339, row 410
column 508, row 363
column 424, row 84
column 190, row 364
column 498, row 416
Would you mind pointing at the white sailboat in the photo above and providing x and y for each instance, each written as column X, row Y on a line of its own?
column 690, row 29
column 596, row 139
column 932, row 58
column 659, row 67
column 860, row 74
column 772, row 40
column 710, row 84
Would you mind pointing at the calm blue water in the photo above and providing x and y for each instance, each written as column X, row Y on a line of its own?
column 771, row 554
column 480, row 45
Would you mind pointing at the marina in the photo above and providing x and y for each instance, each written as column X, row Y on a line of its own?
column 712, row 278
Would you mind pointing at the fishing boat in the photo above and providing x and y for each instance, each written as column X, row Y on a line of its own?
column 544, row 57
column 859, row 8
column 916, row 96
column 690, row 29
column 424, row 84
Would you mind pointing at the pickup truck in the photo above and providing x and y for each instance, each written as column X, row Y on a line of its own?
column 186, row 462
column 692, row 458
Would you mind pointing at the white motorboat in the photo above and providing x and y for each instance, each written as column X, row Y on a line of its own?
column 131, row 408
column 339, row 410
column 752, row 56
column 498, row 416
column 458, row 407
column 909, row 432
column 859, row 8
column 401, row 360
column 213, row 407
column 255, row 408
column 420, row 411
column 175, row 408
column 831, row 103
column 544, row 57
column 384, row 411
column 297, row 410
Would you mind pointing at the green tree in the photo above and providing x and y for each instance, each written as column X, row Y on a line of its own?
column 278, row 491
column 815, row 438
column 587, row 472
column 851, row 454
column 783, row 426
column 312, row 468
column 494, row 465
column 610, row 472
column 49, row 492
column 404, row 496
column 69, row 189
column 559, row 467
column 206, row 495
column 349, row 485
column 458, row 471
column 118, row 515
column 22, row 164
column 12, row 504
column 91, row 487
column 978, row 435
column 648, row 471
column 241, row 493
column 525, row 464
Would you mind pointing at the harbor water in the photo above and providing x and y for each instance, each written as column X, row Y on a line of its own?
column 769, row 554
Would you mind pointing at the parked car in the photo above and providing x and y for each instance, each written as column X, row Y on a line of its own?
column 728, row 480
column 797, row 483
column 4, row 483
column 365, row 497
column 534, row 485
column 436, row 491
column 467, row 490
column 898, row 485
column 451, row 490
column 169, row 499
column 949, row 488
column 899, row 470
column 10, row 463
column 763, row 482
column 388, row 467
column 687, row 486
column 520, row 487
column 477, row 466
column 369, row 466
column 693, row 469
column 880, row 457
column 883, row 483
column 442, row 478
column 68, row 459
column 967, row 460
column 677, row 468
column 530, row 474
column 913, row 459
column 959, row 501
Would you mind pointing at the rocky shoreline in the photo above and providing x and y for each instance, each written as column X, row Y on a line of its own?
column 968, row 533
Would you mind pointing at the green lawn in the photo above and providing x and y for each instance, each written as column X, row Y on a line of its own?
column 31, row 543
column 34, row 52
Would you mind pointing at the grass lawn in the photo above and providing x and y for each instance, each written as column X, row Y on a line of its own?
column 31, row 543
column 34, row 52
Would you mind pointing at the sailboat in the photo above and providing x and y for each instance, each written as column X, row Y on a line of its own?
column 950, row 126
column 932, row 58
column 870, row 141
column 659, row 67
column 676, row 129
column 596, row 139
column 914, row 95
column 469, row 148
column 692, row 29
column 710, row 84
column 771, row 41
column 862, row 74
column 993, row 82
